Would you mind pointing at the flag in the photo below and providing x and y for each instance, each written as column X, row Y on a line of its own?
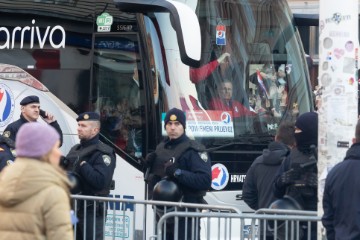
column 261, row 82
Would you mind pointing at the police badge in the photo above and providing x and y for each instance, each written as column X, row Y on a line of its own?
column 204, row 156
column 7, row 134
column 107, row 159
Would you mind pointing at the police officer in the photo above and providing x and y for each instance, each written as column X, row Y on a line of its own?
column 30, row 112
column 297, row 176
column 181, row 160
column 94, row 163
column 7, row 151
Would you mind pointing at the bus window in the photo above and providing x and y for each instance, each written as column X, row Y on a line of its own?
column 117, row 93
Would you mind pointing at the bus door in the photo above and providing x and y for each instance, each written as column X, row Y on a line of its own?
column 117, row 92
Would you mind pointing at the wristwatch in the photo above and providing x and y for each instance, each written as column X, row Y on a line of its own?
column 177, row 173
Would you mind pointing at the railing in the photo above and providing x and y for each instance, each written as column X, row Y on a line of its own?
column 114, row 218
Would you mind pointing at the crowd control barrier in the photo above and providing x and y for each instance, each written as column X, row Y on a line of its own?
column 115, row 218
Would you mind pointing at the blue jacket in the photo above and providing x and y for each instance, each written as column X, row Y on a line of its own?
column 7, row 147
column 341, row 201
column 97, row 173
column 195, row 166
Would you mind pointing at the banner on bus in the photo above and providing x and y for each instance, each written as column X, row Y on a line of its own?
column 207, row 123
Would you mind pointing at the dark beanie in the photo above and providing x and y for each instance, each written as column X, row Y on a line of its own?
column 308, row 124
column 175, row 114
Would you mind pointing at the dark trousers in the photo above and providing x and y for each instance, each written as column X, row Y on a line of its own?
column 85, row 226
column 188, row 228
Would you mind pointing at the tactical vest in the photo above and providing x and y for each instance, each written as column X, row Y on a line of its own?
column 300, row 191
column 77, row 154
column 164, row 154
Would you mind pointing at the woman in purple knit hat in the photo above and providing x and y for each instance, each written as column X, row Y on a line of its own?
column 35, row 200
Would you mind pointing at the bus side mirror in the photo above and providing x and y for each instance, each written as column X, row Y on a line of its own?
column 184, row 21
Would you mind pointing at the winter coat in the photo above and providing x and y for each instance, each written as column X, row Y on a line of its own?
column 341, row 198
column 34, row 202
column 257, row 189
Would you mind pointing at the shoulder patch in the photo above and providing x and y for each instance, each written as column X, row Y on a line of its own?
column 9, row 162
column 6, row 134
column 13, row 152
column 107, row 159
column 204, row 156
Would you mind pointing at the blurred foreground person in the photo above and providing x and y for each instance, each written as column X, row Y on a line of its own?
column 35, row 200
column 341, row 214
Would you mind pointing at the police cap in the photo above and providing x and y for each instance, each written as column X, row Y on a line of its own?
column 88, row 116
column 29, row 99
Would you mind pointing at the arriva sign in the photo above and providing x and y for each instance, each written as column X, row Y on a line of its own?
column 34, row 34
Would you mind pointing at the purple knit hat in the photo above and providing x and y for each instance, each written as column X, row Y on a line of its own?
column 34, row 140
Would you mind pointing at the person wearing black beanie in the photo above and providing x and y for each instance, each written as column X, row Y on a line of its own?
column 297, row 176
column 182, row 161
column 306, row 131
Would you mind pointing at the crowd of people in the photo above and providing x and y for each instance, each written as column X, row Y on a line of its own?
column 36, row 180
column 35, row 188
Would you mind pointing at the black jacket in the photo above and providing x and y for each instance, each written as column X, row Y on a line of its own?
column 305, row 195
column 97, row 173
column 257, row 189
column 7, row 147
column 12, row 129
column 195, row 166
column 341, row 201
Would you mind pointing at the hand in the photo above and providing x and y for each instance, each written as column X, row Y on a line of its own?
column 222, row 57
column 289, row 177
column 49, row 118
column 150, row 159
column 311, row 179
column 170, row 167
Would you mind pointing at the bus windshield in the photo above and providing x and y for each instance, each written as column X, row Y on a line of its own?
column 253, row 74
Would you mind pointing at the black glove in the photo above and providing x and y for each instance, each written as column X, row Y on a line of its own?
column 150, row 159
column 311, row 179
column 64, row 163
column 170, row 167
column 289, row 177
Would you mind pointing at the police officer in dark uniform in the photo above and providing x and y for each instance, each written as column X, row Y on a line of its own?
column 30, row 112
column 297, row 176
column 7, row 152
column 94, row 163
column 181, row 160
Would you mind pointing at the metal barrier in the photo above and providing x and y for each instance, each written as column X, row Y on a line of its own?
column 115, row 218
column 286, row 224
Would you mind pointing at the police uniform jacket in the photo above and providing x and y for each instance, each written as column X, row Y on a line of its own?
column 257, row 189
column 12, row 129
column 34, row 202
column 96, row 175
column 7, row 155
column 195, row 165
column 341, row 198
column 305, row 195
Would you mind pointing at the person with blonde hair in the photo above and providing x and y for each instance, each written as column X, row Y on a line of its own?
column 35, row 197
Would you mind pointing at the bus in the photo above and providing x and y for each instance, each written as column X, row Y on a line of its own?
column 131, row 61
